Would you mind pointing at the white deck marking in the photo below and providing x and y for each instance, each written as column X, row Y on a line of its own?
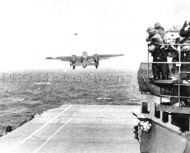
column 23, row 141
column 54, row 134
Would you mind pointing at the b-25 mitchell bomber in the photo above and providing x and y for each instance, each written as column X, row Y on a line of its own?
column 84, row 60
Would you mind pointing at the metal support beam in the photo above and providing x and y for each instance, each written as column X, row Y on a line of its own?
column 174, row 109
column 189, row 122
column 161, row 115
column 169, row 118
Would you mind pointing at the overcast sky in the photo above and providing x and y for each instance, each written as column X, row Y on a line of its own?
column 31, row 30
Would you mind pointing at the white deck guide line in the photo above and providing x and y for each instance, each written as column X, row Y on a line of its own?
column 54, row 134
column 27, row 138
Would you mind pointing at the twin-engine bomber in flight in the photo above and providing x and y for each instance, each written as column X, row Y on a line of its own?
column 84, row 60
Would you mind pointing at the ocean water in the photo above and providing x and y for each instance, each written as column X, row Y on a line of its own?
column 24, row 94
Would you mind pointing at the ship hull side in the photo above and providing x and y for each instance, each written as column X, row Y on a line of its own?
column 164, row 140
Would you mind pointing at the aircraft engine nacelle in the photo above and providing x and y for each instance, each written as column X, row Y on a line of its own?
column 96, row 59
column 73, row 59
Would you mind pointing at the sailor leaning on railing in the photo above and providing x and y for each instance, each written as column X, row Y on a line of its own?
column 160, row 71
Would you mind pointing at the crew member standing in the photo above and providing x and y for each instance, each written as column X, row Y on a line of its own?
column 160, row 71
column 185, row 51
column 164, row 66
column 154, row 48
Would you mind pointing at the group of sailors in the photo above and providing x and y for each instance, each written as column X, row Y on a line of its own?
column 160, row 50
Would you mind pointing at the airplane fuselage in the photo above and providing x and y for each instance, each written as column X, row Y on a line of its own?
column 84, row 60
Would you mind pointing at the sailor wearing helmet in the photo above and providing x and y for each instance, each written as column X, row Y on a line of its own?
column 160, row 30
column 154, row 47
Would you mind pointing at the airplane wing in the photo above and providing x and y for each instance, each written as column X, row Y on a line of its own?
column 65, row 58
column 62, row 58
column 105, row 56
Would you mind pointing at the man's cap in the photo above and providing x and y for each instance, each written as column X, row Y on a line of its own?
column 157, row 25
column 150, row 30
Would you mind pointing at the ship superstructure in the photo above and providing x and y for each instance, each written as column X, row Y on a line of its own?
column 166, row 102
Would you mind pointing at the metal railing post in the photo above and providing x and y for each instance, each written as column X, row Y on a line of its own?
column 148, row 64
column 179, row 74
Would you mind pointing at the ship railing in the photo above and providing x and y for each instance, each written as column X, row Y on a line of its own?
column 178, row 101
column 176, row 70
column 173, row 96
column 178, row 67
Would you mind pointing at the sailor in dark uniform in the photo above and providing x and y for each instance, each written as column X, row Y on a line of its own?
column 185, row 51
column 157, row 51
